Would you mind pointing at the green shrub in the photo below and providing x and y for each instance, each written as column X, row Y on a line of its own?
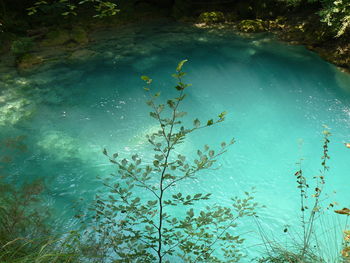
column 211, row 17
column 135, row 217
column 252, row 26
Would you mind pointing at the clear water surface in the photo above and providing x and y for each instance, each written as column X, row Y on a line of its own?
column 278, row 97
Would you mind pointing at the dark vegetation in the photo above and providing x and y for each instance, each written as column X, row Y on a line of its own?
column 321, row 25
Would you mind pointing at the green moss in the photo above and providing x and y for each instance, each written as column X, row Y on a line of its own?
column 27, row 61
column 56, row 38
column 252, row 26
column 21, row 46
column 211, row 17
column 79, row 35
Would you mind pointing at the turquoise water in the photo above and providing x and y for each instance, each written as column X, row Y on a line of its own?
column 278, row 97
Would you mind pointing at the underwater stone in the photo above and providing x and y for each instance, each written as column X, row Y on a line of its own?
column 82, row 55
column 59, row 144
column 79, row 35
column 56, row 38
column 28, row 61
column 15, row 111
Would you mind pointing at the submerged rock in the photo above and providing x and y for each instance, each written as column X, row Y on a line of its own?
column 56, row 38
column 60, row 37
column 58, row 144
column 14, row 108
column 79, row 35
column 28, row 61
column 82, row 55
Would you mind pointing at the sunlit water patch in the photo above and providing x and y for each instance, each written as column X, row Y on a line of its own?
column 276, row 96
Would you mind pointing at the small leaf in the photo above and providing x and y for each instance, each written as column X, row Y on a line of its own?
column 180, row 114
column 145, row 78
column 197, row 195
column 210, row 122
column 222, row 114
column 171, row 104
column 154, row 115
column 104, row 151
column 196, row 123
column 180, row 65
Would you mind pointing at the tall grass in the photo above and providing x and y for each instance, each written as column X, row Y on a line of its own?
column 319, row 238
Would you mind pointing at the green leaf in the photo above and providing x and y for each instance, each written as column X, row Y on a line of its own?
column 180, row 65
column 154, row 115
column 210, row 122
column 171, row 104
column 147, row 79
column 196, row 123
column 222, row 114
column 197, row 195
column 180, row 114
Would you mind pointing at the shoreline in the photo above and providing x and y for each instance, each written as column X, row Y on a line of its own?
column 73, row 44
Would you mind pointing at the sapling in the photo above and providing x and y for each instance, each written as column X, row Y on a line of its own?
column 138, row 220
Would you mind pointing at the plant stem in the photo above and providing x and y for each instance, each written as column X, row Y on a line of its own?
column 165, row 166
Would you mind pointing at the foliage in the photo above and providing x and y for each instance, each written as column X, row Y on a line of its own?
column 103, row 8
column 303, row 251
column 147, row 216
column 18, row 214
column 281, row 255
column 23, row 228
column 25, row 233
column 346, row 246
column 335, row 13
column 250, row 26
column 211, row 17
column 308, row 219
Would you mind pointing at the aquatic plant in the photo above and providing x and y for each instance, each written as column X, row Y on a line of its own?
column 146, row 216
